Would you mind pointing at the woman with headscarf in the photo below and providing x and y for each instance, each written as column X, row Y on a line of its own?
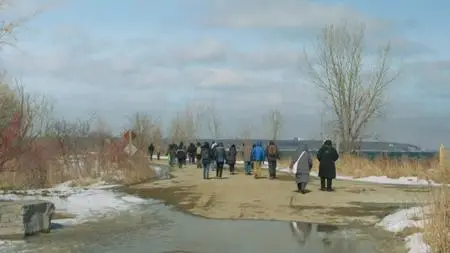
column 327, row 156
column 301, row 168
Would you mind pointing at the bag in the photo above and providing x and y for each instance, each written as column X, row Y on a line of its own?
column 272, row 151
column 181, row 154
column 199, row 151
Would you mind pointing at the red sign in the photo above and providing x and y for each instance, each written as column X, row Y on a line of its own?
column 127, row 134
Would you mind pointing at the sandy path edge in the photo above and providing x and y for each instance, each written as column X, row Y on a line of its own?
column 243, row 197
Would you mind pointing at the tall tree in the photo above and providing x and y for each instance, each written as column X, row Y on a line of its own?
column 357, row 94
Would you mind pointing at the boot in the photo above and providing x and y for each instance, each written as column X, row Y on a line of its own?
column 322, row 184
column 329, row 184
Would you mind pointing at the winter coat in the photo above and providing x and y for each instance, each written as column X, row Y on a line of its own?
column 327, row 156
column 206, row 154
column 191, row 149
column 302, row 165
column 276, row 156
column 181, row 153
column 258, row 152
column 231, row 156
column 220, row 154
column 247, row 153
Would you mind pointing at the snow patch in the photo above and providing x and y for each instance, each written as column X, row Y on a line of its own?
column 402, row 219
column 408, row 218
column 416, row 244
column 379, row 179
column 85, row 203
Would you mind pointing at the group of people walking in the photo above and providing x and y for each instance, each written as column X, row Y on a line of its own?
column 214, row 156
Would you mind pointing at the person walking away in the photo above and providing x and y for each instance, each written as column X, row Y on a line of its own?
column 231, row 158
column 252, row 162
column 191, row 153
column 213, row 150
column 272, row 156
column 151, row 149
column 198, row 154
column 158, row 152
column 181, row 155
column 327, row 156
column 247, row 154
column 301, row 166
column 220, row 157
column 172, row 153
column 258, row 157
column 205, row 158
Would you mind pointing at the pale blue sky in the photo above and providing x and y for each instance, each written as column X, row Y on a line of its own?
column 118, row 57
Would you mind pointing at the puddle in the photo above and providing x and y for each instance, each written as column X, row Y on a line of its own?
column 159, row 229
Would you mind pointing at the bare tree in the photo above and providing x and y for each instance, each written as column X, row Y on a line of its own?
column 142, row 125
column 191, row 116
column 185, row 126
column 23, row 118
column 8, row 27
column 274, row 123
column 157, row 136
column 212, row 120
column 356, row 96
column 177, row 132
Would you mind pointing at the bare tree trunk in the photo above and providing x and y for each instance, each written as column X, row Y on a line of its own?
column 357, row 96
column 213, row 121
column 274, row 123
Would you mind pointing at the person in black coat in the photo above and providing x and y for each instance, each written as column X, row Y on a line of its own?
column 327, row 156
column 181, row 155
column 191, row 153
column 151, row 149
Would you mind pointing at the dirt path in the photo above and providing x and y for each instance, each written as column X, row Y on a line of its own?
column 243, row 197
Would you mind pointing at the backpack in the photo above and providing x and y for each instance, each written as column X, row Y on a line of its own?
column 272, row 151
column 181, row 154
column 199, row 151
column 205, row 154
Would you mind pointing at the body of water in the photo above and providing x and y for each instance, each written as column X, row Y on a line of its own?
column 156, row 228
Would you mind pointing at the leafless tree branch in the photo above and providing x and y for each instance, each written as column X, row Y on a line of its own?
column 356, row 96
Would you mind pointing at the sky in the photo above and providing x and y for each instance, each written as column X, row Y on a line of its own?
column 115, row 58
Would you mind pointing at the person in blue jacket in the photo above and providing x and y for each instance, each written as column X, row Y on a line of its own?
column 258, row 156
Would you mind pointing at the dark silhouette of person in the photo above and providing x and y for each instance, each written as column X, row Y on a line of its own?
column 327, row 156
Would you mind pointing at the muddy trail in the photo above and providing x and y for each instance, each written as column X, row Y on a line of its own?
column 243, row 197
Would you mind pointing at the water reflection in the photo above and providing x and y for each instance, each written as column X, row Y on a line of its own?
column 301, row 231
column 326, row 228
column 330, row 236
column 158, row 229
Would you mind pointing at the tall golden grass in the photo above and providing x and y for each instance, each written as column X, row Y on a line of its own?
column 437, row 225
column 355, row 166
column 40, row 167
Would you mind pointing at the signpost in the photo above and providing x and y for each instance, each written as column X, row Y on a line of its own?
column 130, row 149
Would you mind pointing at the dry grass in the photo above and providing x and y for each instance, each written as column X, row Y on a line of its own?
column 39, row 169
column 437, row 226
column 394, row 168
column 358, row 167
